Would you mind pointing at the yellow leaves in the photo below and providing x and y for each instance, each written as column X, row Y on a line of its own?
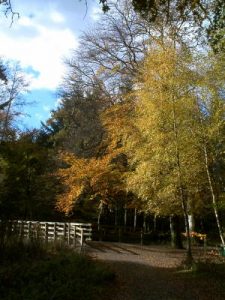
column 100, row 70
column 96, row 176
column 166, row 152
column 201, row 236
column 115, row 120
column 164, row 71
column 115, row 68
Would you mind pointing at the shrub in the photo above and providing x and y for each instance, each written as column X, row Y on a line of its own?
column 42, row 273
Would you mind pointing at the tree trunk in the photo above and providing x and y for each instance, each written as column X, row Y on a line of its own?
column 175, row 229
column 125, row 215
column 206, row 161
column 135, row 218
column 187, row 229
column 183, row 197
column 100, row 214
column 116, row 215
column 144, row 223
column 155, row 222
column 191, row 222
column 215, row 208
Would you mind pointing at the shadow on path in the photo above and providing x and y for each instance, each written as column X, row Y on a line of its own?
column 151, row 273
column 142, row 282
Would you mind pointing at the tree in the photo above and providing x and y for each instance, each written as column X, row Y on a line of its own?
column 27, row 185
column 10, row 98
column 100, row 73
column 216, row 30
column 167, row 168
column 98, row 179
column 3, row 76
column 8, row 9
column 210, row 104
column 76, row 124
column 152, row 9
column 109, row 53
column 206, row 16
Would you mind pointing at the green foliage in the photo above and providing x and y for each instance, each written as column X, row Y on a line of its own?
column 214, row 266
column 76, row 124
column 27, row 182
column 216, row 30
column 48, row 275
column 192, row 10
column 172, row 119
column 206, row 16
column 105, row 6
column 13, row 249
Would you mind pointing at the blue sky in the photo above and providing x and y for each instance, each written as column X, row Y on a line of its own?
column 40, row 40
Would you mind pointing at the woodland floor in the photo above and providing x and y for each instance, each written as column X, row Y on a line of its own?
column 154, row 272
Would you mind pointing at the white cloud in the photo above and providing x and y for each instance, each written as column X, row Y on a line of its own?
column 40, row 39
column 25, row 21
column 57, row 17
column 42, row 48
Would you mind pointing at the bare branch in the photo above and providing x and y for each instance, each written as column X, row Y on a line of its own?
column 9, row 10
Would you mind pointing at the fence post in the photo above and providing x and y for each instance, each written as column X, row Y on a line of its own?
column 68, row 235
column 55, row 231
column 74, row 238
column 37, row 230
column 21, row 230
column 29, row 230
column 46, row 232
column 15, row 227
column 82, row 237
column 64, row 232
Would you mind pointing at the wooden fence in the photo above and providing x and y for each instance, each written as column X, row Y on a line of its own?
column 52, row 231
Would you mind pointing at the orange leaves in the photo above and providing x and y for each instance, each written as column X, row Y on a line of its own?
column 100, row 176
column 201, row 236
column 94, row 177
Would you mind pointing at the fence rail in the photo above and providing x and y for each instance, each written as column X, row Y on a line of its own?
column 69, row 232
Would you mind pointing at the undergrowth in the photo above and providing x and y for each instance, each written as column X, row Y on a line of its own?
column 32, row 271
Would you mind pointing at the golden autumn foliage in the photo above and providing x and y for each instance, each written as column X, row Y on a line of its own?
column 97, row 176
column 165, row 153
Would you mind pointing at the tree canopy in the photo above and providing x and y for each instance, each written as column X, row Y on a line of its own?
column 139, row 132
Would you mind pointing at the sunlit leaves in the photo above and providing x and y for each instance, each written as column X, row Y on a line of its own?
column 166, row 152
column 97, row 177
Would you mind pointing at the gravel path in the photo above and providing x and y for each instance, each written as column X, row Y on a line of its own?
column 150, row 273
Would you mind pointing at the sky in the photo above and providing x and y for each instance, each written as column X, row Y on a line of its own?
column 46, row 33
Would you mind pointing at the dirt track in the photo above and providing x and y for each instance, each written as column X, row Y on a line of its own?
column 151, row 273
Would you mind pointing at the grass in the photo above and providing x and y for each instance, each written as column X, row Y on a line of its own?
column 208, row 276
column 30, row 271
column 215, row 270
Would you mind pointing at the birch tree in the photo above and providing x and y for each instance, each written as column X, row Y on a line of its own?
column 11, row 91
column 166, row 160
column 211, row 108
